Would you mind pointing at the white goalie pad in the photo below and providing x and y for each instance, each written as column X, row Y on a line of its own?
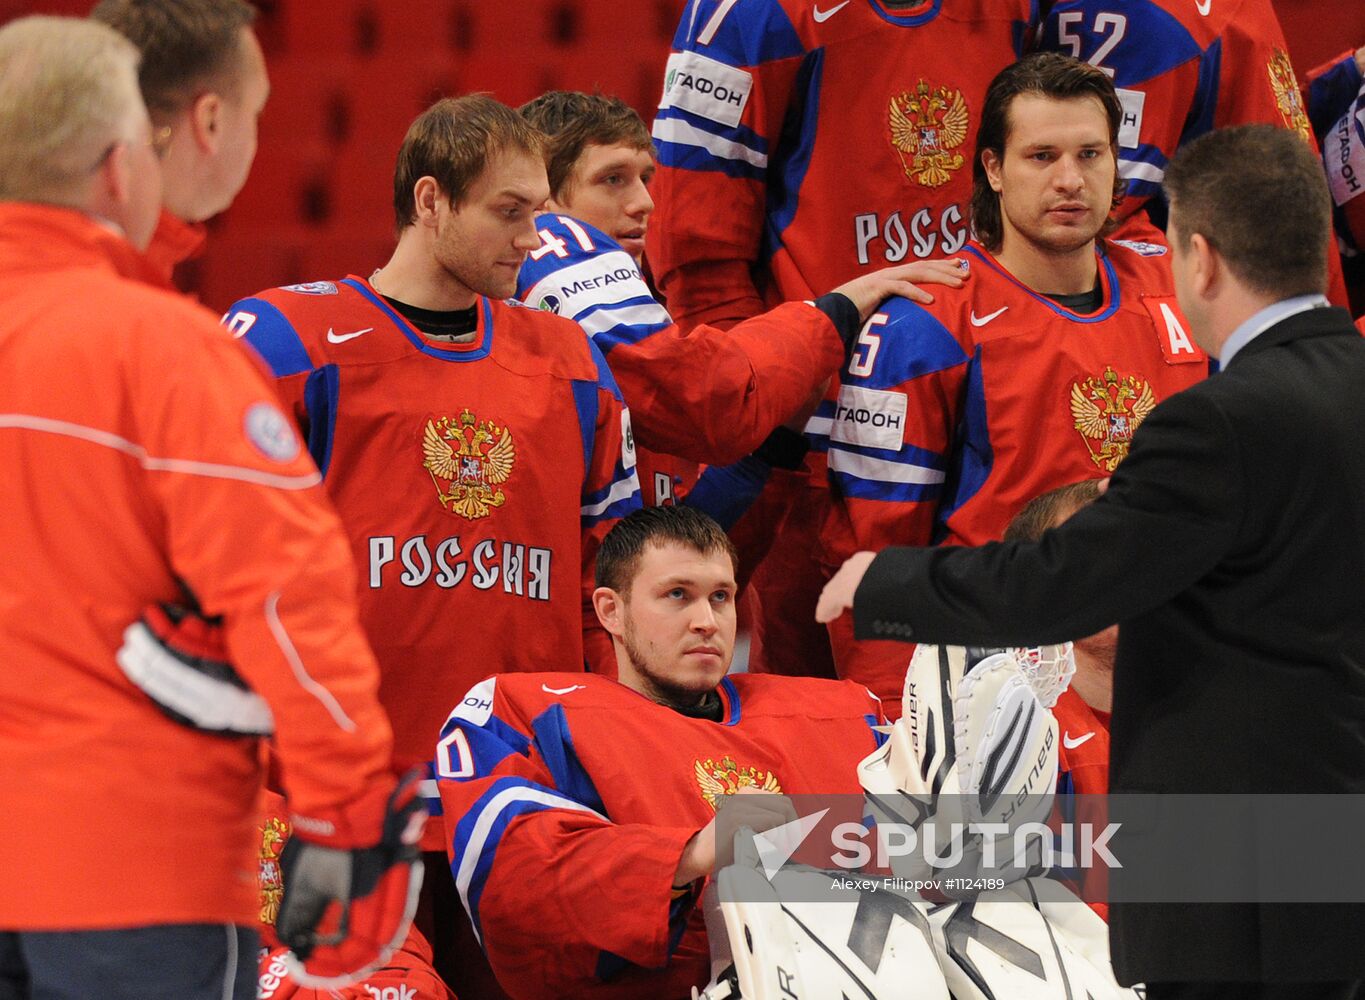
column 877, row 945
column 975, row 752
column 1032, row 940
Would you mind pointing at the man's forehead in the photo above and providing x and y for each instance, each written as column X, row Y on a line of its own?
column 597, row 155
column 512, row 174
column 1031, row 114
column 671, row 560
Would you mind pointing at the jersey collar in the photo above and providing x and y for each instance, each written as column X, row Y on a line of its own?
column 478, row 348
column 1109, row 285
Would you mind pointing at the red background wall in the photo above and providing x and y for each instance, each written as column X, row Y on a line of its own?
column 349, row 75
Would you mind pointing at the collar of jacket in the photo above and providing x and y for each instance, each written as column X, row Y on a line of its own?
column 1309, row 323
column 44, row 237
column 174, row 242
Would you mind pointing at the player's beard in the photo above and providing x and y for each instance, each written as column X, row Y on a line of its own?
column 661, row 687
column 468, row 267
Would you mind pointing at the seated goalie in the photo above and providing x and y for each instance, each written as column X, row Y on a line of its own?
column 580, row 811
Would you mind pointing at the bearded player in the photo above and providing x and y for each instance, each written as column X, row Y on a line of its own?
column 580, row 810
column 1035, row 374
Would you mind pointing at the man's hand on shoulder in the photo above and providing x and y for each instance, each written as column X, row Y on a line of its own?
column 868, row 291
column 837, row 597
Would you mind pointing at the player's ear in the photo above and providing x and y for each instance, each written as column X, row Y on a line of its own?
column 427, row 199
column 990, row 162
column 610, row 610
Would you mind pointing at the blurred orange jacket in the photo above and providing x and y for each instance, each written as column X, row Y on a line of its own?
column 141, row 445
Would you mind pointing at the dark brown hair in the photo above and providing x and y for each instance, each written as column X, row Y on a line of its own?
column 1046, row 74
column 1258, row 194
column 1050, row 509
column 618, row 559
column 572, row 121
column 451, row 142
column 187, row 46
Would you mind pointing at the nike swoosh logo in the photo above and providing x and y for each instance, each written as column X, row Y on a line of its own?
column 1204, row 7
column 1071, row 744
column 983, row 320
column 821, row 16
column 572, row 687
column 341, row 338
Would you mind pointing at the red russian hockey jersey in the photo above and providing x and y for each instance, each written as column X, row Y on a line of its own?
column 569, row 798
column 475, row 482
column 812, row 145
column 1182, row 68
column 952, row 416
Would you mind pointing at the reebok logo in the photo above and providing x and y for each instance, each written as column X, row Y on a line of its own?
column 392, row 993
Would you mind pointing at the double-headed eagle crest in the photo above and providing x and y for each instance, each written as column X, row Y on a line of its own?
column 1107, row 410
column 274, row 833
column 927, row 126
column 468, row 462
column 1285, row 86
column 725, row 777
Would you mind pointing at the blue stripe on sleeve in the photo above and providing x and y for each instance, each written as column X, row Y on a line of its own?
column 320, row 395
column 1200, row 117
column 554, row 743
column 752, row 32
column 585, row 404
column 273, row 337
column 788, row 176
column 858, row 488
column 615, row 500
column 975, row 456
column 480, row 830
column 687, row 157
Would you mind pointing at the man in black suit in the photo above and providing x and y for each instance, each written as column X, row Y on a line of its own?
column 1231, row 546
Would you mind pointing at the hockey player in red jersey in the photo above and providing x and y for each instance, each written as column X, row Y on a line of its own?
column 580, row 810
column 1034, row 374
column 1182, row 69
column 477, row 451
column 823, row 141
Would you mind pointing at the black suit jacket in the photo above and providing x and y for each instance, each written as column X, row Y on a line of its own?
column 1230, row 547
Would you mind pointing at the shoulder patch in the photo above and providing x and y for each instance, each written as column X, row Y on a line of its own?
column 270, row 431
column 1139, row 247
column 312, row 288
column 477, row 706
column 706, row 87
